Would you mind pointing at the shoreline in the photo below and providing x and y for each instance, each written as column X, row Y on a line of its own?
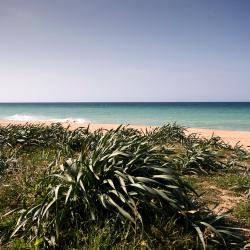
column 229, row 136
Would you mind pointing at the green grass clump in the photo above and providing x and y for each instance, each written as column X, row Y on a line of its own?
column 125, row 179
column 119, row 189
column 242, row 211
column 167, row 134
column 239, row 182
column 2, row 164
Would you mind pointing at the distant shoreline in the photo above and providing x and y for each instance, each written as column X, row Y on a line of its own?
column 229, row 136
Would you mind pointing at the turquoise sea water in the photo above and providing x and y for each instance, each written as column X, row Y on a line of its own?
column 235, row 116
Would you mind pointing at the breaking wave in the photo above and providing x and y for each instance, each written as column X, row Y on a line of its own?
column 25, row 117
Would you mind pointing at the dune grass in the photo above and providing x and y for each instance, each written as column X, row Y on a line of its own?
column 117, row 189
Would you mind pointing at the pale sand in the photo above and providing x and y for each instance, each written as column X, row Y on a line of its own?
column 229, row 136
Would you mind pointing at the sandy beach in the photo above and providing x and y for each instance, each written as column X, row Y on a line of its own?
column 230, row 136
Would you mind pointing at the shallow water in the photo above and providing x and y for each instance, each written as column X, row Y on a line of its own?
column 234, row 116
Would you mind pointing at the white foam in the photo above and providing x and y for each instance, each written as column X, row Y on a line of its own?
column 25, row 117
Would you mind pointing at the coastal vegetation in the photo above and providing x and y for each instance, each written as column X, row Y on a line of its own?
column 121, row 189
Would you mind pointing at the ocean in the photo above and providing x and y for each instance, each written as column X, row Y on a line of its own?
column 214, row 115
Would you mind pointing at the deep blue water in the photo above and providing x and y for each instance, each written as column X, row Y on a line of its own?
column 234, row 115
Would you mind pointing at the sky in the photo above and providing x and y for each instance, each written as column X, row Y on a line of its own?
column 124, row 50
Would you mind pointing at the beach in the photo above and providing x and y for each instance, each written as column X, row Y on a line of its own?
column 229, row 136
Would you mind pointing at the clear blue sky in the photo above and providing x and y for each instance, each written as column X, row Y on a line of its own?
column 125, row 50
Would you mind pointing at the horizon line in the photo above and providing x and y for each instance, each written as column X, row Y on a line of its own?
column 89, row 102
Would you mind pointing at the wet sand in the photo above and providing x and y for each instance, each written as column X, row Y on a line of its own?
column 229, row 136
